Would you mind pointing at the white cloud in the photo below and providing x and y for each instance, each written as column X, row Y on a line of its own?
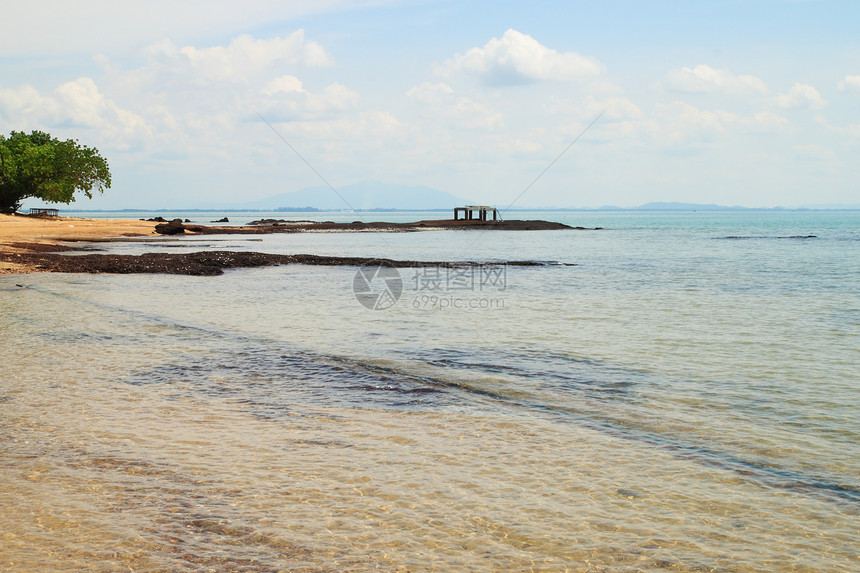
column 82, row 104
column 341, row 133
column 513, row 146
column 175, row 106
column 813, row 152
column 287, row 100
column 616, row 108
column 77, row 103
column 849, row 83
column 852, row 131
column 25, row 104
column 283, row 84
column 91, row 26
column 431, row 93
column 800, row 96
column 681, row 123
column 766, row 122
column 243, row 59
column 517, row 58
column 705, row 79
column 620, row 120
column 439, row 99
column 247, row 56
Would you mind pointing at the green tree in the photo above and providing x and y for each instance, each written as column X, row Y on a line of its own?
column 39, row 166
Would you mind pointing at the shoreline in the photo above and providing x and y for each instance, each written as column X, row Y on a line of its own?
column 34, row 244
column 22, row 235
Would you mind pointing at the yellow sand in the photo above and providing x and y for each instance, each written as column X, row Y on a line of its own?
column 20, row 229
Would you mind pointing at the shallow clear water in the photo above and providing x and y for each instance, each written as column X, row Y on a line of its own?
column 678, row 399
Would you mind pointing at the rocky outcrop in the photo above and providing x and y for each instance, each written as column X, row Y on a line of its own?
column 174, row 227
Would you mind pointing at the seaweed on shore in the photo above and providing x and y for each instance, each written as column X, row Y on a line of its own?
column 205, row 263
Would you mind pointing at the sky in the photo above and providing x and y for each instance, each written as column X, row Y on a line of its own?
column 535, row 104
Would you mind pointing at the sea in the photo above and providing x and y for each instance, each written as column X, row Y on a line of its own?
column 676, row 391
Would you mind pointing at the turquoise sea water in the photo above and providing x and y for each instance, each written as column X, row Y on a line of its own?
column 676, row 391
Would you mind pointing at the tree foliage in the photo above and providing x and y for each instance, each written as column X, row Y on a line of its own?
column 39, row 166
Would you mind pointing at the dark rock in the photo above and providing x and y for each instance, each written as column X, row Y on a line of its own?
column 207, row 263
column 174, row 227
column 187, row 220
column 156, row 219
column 224, row 220
column 267, row 222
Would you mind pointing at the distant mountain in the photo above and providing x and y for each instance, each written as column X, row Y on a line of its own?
column 359, row 196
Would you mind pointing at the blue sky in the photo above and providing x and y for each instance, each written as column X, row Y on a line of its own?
column 753, row 102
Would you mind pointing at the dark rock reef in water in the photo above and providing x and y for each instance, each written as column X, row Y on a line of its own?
column 265, row 226
column 207, row 263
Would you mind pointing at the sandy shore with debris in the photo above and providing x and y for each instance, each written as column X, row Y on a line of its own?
column 19, row 234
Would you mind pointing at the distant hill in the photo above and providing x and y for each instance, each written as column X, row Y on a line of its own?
column 360, row 196
column 833, row 207
column 675, row 206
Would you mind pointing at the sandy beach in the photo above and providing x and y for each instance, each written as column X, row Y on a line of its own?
column 18, row 232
